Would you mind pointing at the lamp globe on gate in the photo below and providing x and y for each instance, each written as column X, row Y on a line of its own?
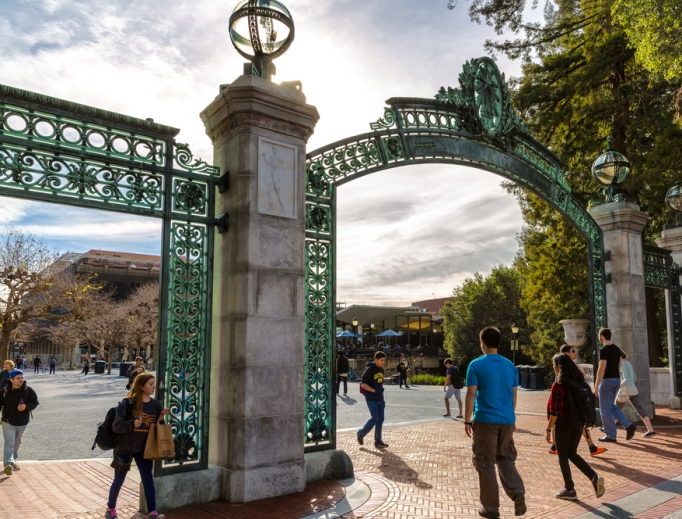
column 673, row 199
column 610, row 169
column 261, row 30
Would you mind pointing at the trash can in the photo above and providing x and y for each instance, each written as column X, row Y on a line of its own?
column 99, row 367
column 537, row 378
column 524, row 379
column 124, row 368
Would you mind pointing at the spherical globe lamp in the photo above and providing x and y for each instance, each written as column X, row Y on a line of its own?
column 610, row 169
column 261, row 30
column 673, row 199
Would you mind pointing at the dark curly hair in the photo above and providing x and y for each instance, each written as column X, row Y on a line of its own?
column 567, row 369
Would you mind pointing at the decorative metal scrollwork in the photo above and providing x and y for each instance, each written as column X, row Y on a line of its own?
column 185, row 160
column 190, row 197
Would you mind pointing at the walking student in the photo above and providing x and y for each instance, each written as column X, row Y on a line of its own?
column 17, row 400
column 36, row 364
column 401, row 368
column 492, row 382
column 134, row 371
column 86, row 367
column 53, row 365
column 342, row 367
column 373, row 386
column 629, row 393
column 594, row 450
column 567, row 427
column 7, row 366
column 134, row 432
column 453, row 384
column 606, row 387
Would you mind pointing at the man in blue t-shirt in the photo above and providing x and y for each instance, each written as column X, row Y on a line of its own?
column 373, row 388
column 491, row 397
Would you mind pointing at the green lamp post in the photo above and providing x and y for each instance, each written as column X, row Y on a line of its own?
column 261, row 30
column 610, row 169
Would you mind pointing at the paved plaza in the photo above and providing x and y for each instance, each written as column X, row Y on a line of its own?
column 426, row 472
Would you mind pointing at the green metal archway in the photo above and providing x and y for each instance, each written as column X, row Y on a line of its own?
column 473, row 125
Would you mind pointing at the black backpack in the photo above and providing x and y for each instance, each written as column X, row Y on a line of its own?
column 106, row 438
column 456, row 379
column 582, row 404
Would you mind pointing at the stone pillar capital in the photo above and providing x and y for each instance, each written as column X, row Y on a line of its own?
column 256, row 102
column 671, row 239
column 619, row 215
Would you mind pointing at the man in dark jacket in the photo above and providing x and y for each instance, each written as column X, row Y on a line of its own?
column 17, row 400
column 341, row 372
column 401, row 368
column 373, row 386
column 36, row 364
column 134, row 371
column 53, row 365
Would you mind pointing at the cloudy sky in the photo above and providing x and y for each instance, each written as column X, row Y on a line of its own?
column 403, row 235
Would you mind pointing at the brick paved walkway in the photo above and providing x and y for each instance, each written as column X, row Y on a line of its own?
column 426, row 473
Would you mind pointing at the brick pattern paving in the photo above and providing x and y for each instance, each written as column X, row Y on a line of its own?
column 318, row 496
column 431, row 466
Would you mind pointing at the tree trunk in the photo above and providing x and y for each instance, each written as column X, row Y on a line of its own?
column 5, row 336
column 653, row 330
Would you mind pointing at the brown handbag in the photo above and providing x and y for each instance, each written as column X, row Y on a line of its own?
column 160, row 443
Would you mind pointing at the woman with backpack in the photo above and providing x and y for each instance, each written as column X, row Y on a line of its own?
column 629, row 393
column 133, row 426
column 563, row 417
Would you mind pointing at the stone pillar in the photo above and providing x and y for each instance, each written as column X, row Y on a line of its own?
column 671, row 239
column 622, row 224
column 259, row 131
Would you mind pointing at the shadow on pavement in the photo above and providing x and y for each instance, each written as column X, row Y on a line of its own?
column 400, row 472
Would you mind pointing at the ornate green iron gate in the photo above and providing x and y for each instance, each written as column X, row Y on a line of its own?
column 473, row 125
column 660, row 271
column 62, row 152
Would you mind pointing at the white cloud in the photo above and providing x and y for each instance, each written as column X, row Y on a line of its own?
column 433, row 225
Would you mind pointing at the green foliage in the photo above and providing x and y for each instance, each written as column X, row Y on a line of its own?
column 654, row 30
column 481, row 301
column 428, row 380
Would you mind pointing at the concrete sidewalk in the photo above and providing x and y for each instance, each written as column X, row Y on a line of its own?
column 425, row 473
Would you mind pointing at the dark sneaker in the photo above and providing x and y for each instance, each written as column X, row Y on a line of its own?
column 631, row 431
column 598, row 484
column 381, row 445
column 519, row 504
column 567, row 494
column 110, row 513
column 156, row 515
column 649, row 434
column 8, row 470
column 489, row 515
column 607, row 439
column 361, row 441
column 447, row 415
column 459, row 416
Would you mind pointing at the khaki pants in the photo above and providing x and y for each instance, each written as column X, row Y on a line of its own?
column 494, row 445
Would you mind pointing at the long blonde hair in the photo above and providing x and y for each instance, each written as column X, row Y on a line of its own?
column 136, row 392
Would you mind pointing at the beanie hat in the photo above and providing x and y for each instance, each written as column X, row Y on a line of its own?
column 15, row 372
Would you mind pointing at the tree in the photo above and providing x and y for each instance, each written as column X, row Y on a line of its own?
column 581, row 82
column 143, row 317
column 493, row 300
column 36, row 285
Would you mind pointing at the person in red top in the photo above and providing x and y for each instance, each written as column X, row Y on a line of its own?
column 567, row 428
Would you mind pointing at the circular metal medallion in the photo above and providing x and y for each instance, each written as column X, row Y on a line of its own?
column 488, row 94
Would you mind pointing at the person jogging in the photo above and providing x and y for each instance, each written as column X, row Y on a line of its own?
column 134, row 432
column 567, row 427
column 629, row 393
column 452, row 387
column 594, row 450
column 606, row 387
column 491, row 397
column 373, row 386
column 17, row 400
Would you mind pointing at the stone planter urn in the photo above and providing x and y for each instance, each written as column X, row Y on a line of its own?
column 575, row 331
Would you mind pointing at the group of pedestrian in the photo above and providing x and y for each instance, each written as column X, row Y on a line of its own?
column 38, row 365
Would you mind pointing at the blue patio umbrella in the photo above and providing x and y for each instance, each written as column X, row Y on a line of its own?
column 348, row 335
column 389, row 333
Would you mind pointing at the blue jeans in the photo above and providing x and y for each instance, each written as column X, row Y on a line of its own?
column 376, row 409
column 608, row 391
column 11, row 434
column 145, row 468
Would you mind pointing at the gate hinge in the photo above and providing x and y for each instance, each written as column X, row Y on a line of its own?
column 224, row 182
column 607, row 278
column 221, row 223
